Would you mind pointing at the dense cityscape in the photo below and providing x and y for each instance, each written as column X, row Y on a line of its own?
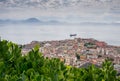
column 78, row 52
column 34, row 43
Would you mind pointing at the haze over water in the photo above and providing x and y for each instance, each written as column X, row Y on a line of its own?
column 103, row 14
column 23, row 34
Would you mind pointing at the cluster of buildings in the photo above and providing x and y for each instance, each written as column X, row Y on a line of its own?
column 78, row 51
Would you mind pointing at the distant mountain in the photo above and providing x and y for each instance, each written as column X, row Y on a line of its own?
column 5, row 21
column 54, row 22
column 32, row 20
column 29, row 21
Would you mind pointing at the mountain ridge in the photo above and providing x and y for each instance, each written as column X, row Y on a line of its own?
column 29, row 21
column 34, row 20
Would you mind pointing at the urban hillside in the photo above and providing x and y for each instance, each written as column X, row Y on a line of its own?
column 77, row 52
column 14, row 66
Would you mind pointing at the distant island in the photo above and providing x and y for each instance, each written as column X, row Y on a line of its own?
column 51, row 22
column 29, row 21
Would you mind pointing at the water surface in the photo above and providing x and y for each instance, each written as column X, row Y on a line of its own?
column 23, row 34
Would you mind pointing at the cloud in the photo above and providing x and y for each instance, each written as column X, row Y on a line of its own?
column 3, row 0
column 75, row 13
column 61, row 15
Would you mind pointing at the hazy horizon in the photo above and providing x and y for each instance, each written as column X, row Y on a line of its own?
column 24, row 34
column 103, row 14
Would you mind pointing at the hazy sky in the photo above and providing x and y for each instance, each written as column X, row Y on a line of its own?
column 74, row 11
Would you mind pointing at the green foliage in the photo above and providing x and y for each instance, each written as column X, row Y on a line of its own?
column 89, row 45
column 34, row 67
column 78, row 56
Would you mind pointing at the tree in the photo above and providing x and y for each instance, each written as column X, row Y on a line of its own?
column 34, row 67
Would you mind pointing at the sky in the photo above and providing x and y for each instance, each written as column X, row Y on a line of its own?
column 71, row 11
column 83, row 11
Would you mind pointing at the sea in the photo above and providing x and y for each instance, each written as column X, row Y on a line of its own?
column 25, row 33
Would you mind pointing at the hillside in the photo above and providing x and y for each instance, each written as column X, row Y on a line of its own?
column 34, row 67
column 78, row 51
